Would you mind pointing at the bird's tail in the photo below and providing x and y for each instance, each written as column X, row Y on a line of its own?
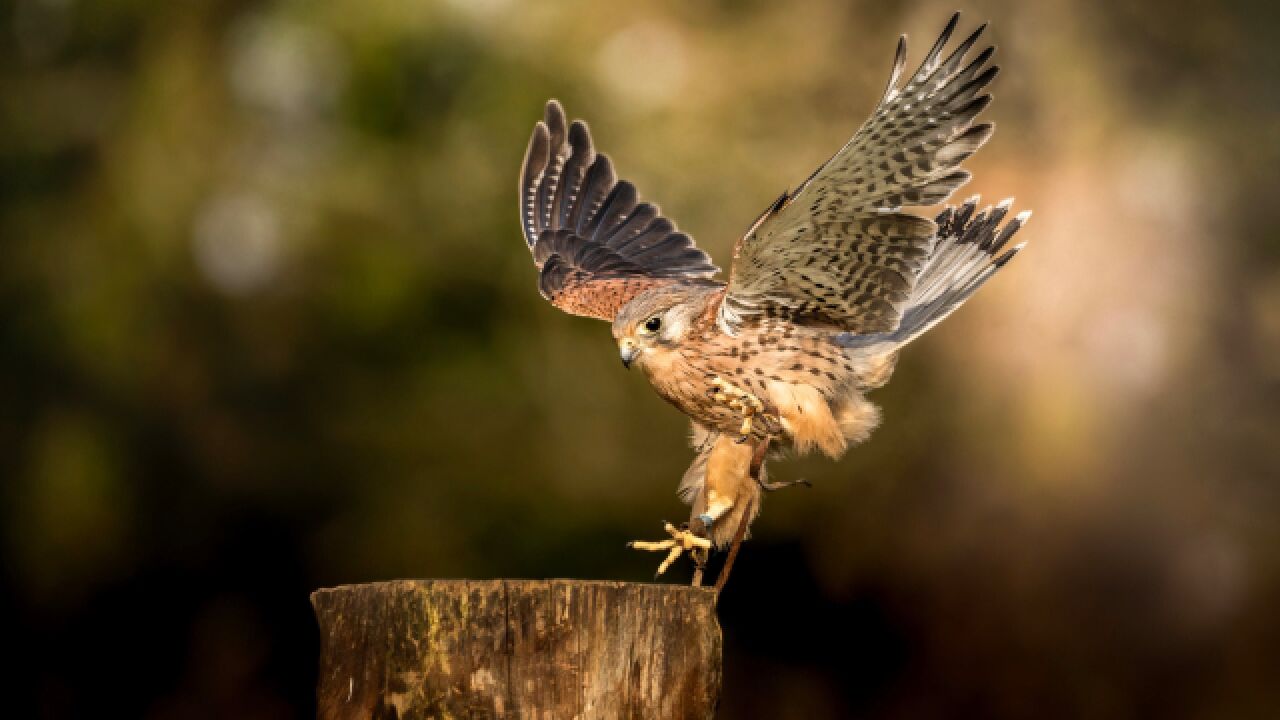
column 970, row 249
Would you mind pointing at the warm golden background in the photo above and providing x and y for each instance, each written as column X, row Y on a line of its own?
column 267, row 324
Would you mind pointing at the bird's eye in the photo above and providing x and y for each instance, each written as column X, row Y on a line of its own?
column 652, row 324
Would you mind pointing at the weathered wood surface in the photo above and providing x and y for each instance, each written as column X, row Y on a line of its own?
column 554, row 649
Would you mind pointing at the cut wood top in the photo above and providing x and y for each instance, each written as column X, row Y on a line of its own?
column 517, row 648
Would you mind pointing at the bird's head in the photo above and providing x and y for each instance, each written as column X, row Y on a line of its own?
column 654, row 322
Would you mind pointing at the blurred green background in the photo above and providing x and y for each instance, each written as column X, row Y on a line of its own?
column 267, row 324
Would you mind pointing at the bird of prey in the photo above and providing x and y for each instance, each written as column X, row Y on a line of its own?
column 825, row 288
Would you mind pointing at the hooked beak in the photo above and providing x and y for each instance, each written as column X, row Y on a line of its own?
column 628, row 350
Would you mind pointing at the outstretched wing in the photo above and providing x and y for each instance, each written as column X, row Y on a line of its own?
column 839, row 252
column 596, row 244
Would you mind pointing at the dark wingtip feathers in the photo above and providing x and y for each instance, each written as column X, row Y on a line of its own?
column 899, row 62
column 536, row 159
column 553, row 114
column 943, row 38
column 584, row 225
column 579, row 135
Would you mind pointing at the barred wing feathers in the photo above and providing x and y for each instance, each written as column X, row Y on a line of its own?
column 972, row 246
column 595, row 243
column 840, row 252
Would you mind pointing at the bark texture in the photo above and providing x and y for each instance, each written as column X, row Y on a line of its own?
column 554, row 649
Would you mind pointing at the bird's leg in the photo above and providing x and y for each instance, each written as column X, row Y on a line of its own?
column 757, row 470
column 757, row 460
column 700, row 556
column 754, row 472
column 726, row 490
column 752, row 407
column 681, row 540
column 768, row 486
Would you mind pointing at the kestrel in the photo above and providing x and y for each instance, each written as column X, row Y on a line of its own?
column 826, row 286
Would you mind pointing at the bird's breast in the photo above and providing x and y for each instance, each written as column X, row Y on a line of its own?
column 804, row 380
column 684, row 379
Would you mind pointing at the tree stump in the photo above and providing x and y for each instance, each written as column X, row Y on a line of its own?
column 554, row 649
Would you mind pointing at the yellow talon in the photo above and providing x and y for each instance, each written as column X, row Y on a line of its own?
column 680, row 542
column 746, row 403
